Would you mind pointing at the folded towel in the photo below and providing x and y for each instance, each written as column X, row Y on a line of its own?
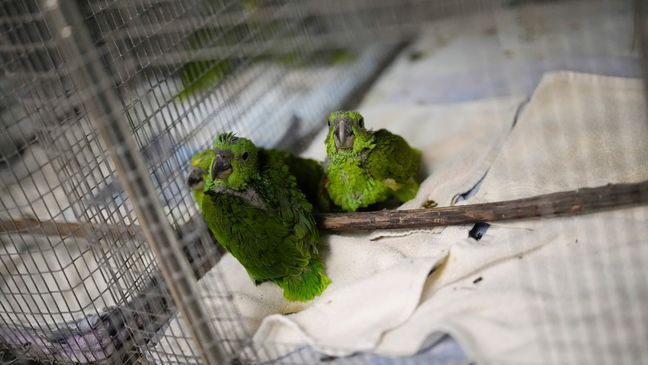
column 558, row 292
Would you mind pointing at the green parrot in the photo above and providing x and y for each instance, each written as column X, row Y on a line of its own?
column 255, row 210
column 366, row 167
column 308, row 173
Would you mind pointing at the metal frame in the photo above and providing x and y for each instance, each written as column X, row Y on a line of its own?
column 133, row 175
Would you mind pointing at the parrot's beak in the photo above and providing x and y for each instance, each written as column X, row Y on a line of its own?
column 343, row 135
column 221, row 167
column 195, row 177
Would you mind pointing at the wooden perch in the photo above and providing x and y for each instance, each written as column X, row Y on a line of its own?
column 66, row 229
column 582, row 201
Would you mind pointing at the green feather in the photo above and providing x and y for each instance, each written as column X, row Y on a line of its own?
column 310, row 179
column 311, row 283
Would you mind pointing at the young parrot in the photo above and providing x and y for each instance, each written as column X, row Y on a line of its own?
column 254, row 209
column 366, row 167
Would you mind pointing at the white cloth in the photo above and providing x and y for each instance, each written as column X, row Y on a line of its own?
column 565, row 291
column 562, row 291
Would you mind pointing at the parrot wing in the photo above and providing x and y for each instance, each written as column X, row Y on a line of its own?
column 266, row 246
column 282, row 191
column 295, row 213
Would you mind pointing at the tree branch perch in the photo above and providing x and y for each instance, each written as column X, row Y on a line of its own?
column 576, row 202
column 67, row 229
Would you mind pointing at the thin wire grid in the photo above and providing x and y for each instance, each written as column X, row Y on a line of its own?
column 53, row 320
column 135, row 128
column 78, row 155
column 137, row 50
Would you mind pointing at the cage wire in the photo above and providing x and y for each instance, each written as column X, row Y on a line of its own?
column 104, row 257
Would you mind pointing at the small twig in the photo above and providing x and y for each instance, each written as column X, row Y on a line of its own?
column 582, row 201
column 66, row 229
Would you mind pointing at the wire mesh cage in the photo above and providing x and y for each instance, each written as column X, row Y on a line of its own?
column 104, row 257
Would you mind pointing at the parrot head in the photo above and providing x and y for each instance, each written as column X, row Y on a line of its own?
column 234, row 163
column 344, row 129
column 200, row 164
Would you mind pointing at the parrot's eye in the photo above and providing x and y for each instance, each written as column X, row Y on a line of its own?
column 245, row 156
column 329, row 123
column 361, row 122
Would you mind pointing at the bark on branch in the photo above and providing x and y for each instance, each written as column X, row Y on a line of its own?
column 576, row 202
column 582, row 201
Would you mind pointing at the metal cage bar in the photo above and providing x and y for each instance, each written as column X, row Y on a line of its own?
column 133, row 174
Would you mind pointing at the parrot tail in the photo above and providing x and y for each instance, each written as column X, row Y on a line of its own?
column 311, row 283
